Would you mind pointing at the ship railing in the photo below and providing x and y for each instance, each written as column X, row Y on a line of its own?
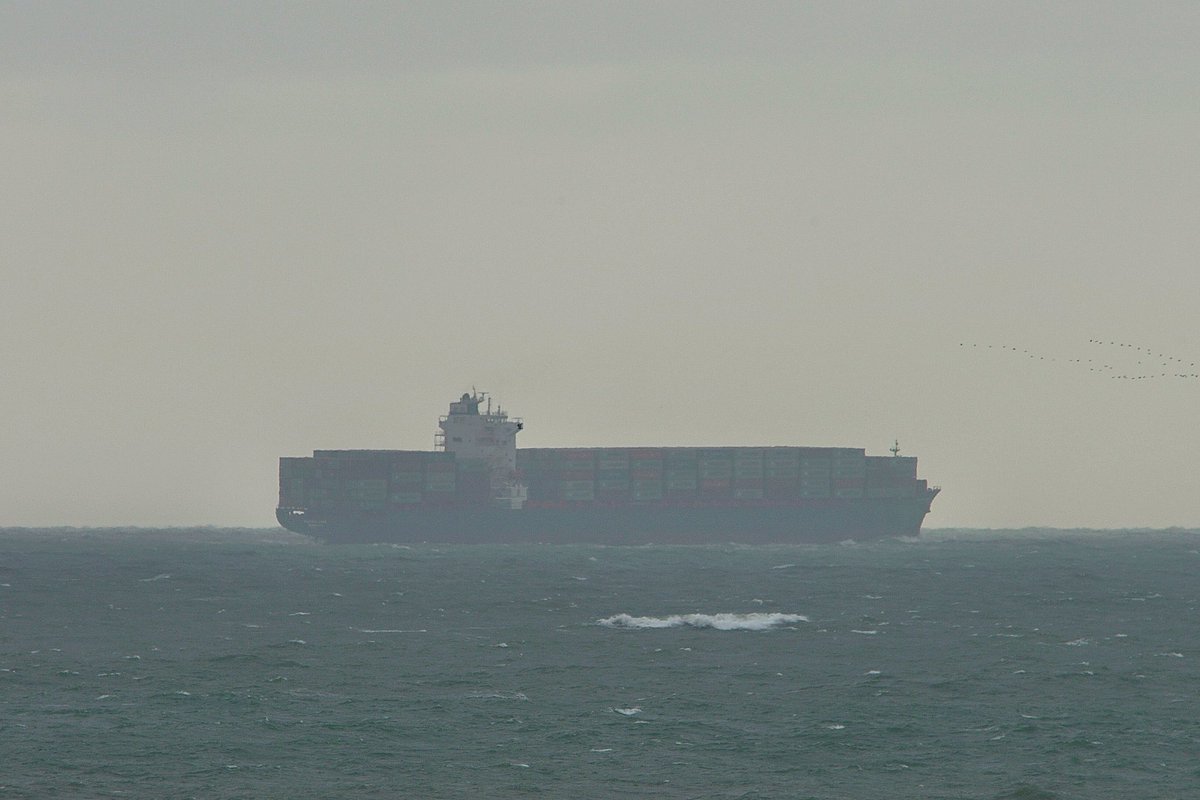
column 502, row 418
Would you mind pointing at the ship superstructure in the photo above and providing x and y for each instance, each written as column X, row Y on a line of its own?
column 489, row 440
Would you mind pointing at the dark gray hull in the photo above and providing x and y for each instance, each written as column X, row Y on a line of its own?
column 816, row 521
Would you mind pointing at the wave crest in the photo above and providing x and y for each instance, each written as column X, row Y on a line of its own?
column 723, row 622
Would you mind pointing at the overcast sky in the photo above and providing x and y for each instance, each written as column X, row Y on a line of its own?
column 234, row 231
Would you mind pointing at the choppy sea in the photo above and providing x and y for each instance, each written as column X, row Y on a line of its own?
column 258, row 664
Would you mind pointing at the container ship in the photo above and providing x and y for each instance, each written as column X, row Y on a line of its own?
column 476, row 486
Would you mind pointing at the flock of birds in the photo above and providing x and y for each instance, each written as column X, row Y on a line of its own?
column 1147, row 367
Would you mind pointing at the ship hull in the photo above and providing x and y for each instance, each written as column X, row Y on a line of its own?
column 820, row 521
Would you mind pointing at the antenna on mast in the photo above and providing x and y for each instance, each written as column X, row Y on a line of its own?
column 895, row 448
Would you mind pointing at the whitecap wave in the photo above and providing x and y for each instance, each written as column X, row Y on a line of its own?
column 757, row 621
column 521, row 696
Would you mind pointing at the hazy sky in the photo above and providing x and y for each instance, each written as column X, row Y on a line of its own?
column 234, row 231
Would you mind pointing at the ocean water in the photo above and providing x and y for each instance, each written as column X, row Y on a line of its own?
column 257, row 664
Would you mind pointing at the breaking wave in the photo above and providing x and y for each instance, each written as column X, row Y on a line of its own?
column 723, row 622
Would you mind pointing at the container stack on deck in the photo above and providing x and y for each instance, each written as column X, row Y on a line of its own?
column 375, row 481
column 381, row 480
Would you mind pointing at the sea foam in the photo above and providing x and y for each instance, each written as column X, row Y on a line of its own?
column 723, row 622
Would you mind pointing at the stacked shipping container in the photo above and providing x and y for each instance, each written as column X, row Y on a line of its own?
column 366, row 481
column 683, row 475
column 891, row 477
column 781, row 473
column 376, row 481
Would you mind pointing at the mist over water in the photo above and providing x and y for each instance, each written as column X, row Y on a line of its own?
column 964, row 664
